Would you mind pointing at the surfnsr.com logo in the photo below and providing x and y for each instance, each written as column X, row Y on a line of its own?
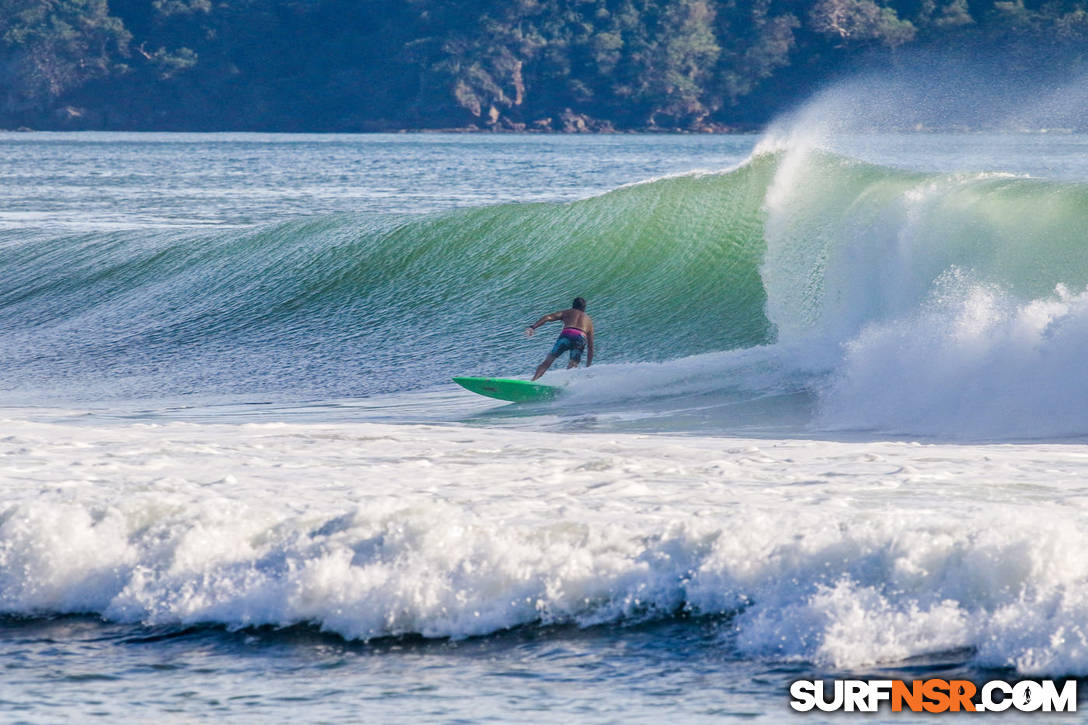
column 933, row 695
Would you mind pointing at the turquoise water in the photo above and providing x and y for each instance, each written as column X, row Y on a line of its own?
column 170, row 302
column 204, row 272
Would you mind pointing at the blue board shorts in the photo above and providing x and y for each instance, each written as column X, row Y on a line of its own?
column 570, row 339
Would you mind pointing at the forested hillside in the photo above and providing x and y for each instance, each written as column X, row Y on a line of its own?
column 563, row 65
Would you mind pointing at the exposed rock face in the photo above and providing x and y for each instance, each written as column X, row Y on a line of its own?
column 583, row 123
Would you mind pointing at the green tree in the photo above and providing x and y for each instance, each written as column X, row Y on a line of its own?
column 854, row 21
column 48, row 47
column 758, row 39
column 681, row 62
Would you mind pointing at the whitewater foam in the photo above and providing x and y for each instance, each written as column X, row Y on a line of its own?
column 973, row 361
column 859, row 274
column 844, row 554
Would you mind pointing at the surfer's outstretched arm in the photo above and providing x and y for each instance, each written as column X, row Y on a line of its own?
column 546, row 318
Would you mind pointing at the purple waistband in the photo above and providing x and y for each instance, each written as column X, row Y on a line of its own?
column 570, row 331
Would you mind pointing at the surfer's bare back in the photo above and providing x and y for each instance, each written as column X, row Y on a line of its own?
column 577, row 336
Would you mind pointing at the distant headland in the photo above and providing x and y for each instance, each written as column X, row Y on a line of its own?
column 595, row 66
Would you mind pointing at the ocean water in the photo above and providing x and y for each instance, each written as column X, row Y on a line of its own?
column 835, row 425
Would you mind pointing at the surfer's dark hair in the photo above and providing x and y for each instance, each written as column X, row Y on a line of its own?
column 579, row 304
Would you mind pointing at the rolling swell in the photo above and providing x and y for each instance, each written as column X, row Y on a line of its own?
column 822, row 274
column 356, row 304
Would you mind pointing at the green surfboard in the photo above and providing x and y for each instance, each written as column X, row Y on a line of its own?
column 515, row 391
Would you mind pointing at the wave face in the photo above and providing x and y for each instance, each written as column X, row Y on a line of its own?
column 900, row 301
column 351, row 304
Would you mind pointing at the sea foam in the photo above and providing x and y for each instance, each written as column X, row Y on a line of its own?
column 843, row 554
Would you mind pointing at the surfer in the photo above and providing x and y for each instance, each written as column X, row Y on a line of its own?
column 577, row 336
